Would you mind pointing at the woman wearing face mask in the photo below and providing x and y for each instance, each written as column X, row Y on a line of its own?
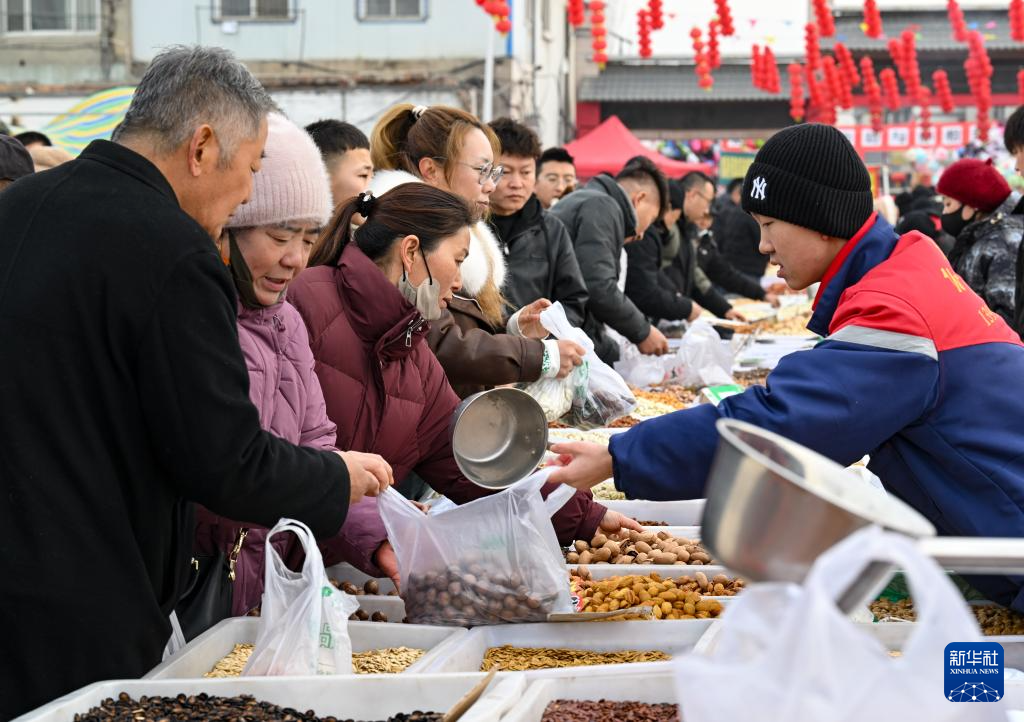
column 978, row 212
column 478, row 347
column 266, row 244
column 366, row 301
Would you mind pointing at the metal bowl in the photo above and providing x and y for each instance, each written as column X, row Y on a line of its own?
column 498, row 437
column 773, row 506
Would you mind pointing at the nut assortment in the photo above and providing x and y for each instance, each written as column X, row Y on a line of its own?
column 671, row 402
column 646, row 406
column 391, row 660
column 685, row 395
column 754, row 377
column 993, row 619
column 360, row 615
column 606, row 490
column 518, row 659
column 887, row 609
column 634, row 547
column 648, row 522
column 219, row 709
column 233, row 664
column 624, row 422
column 669, row 598
column 571, row 710
column 795, row 326
column 472, row 594
column 370, row 588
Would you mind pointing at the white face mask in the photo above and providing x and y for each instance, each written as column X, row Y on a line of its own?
column 426, row 297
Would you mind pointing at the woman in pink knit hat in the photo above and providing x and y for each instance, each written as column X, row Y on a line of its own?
column 267, row 243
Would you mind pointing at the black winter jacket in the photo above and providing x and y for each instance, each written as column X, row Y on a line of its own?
column 721, row 272
column 599, row 218
column 646, row 284
column 739, row 236
column 683, row 275
column 125, row 397
column 541, row 261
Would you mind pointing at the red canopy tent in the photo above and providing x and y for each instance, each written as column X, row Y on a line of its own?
column 608, row 146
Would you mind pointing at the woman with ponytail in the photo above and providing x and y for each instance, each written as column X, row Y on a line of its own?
column 478, row 346
column 366, row 300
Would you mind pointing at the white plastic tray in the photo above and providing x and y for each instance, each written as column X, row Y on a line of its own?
column 367, row 697
column 199, row 656
column 673, row 637
column 676, row 513
column 657, row 688
column 348, row 573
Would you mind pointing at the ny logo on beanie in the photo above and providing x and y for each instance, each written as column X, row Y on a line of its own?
column 758, row 189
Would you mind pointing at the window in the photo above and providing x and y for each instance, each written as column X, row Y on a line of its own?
column 48, row 16
column 392, row 9
column 254, row 10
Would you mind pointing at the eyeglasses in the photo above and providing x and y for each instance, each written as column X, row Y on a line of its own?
column 487, row 171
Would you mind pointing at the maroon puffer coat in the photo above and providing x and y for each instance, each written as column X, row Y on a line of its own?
column 387, row 394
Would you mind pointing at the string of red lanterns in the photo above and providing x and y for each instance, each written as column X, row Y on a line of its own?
column 796, row 91
column 956, row 20
column 873, row 91
column 943, row 93
column 872, row 19
column 891, row 88
column 846, row 65
column 909, row 69
column 771, row 77
column 598, row 32
column 839, row 91
column 1017, row 20
column 979, row 78
column 702, row 67
column 657, row 14
column 755, row 65
column 812, row 47
column 925, row 101
column 577, row 12
column 725, row 17
column 500, row 11
column 823, row 15
column 714, row 53
column 644, row 25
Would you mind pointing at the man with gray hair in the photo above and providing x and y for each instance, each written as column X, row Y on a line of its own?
column 125, row 394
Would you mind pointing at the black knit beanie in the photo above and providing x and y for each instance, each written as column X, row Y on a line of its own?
column 810, row 175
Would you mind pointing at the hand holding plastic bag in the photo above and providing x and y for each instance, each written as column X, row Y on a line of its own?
column 605, row 397
column 303, row 625
column 493, row 560
column 796, row 656
column 702, row 359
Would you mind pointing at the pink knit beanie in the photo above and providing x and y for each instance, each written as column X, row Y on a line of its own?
column 291, row 184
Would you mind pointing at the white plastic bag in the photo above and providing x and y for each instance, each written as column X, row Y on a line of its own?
column 605, row 397
column 640, row 369
column 554, row 395
column 702, row 358
column 796, row 656
column 303, row 625
column 493, row 560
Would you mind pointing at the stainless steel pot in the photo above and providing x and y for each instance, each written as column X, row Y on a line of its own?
column 773, row 506
column 498, row 437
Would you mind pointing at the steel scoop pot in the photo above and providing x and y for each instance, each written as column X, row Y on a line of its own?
column 498, row 437
column 773, row 506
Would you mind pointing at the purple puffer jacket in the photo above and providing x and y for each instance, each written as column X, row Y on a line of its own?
column 287, row 393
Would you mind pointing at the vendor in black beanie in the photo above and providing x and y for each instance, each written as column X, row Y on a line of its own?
column 908, row 353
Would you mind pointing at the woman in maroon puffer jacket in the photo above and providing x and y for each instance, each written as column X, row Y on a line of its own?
column 366, row 305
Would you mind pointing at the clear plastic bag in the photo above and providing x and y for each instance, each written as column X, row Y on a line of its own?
column 641, row 369
column 601, row 396
column 702, row 358
column 303, row 625
column 796, row 656
column 554, row 395
column 494, row 560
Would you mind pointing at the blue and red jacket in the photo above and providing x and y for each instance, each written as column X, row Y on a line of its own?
column 914, row 369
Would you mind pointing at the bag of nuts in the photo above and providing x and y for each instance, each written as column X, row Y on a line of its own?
column 492, row 561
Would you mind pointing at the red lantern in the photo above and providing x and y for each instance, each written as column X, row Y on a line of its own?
column 480, row 2
column 657, row 14
column 714, row 55
column 490, row 7
column 925, row 100
column 891, row 88
column 706, row 82
column 503, row 26
column 1017, row 20
column 725, row 17
column 812, row 47
column 872, row 19
column 577, row 12
column 503, row 9
column 823, row 14
column 598, row 33
column 846, row 65
column 943, row 93
column 956, row 21
column 755, row 66
column 796, row 91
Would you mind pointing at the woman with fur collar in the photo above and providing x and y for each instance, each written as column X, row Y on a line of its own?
column 478, row 347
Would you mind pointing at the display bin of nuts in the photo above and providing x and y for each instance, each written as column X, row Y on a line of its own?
column 631, row 547
column 550, row 640
column 577, row 697
column 204, row 652
column 714, row 582
column 372, row 697
column 675, row 513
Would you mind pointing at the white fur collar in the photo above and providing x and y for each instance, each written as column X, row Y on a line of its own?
column 485, row 259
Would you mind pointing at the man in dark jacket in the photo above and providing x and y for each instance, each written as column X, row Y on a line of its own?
column 738, row 235
column 601, row 218
column 538, row 251
column 647, row 285
column 125, row 394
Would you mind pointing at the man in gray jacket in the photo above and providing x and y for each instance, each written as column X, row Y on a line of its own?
column 601, row 218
